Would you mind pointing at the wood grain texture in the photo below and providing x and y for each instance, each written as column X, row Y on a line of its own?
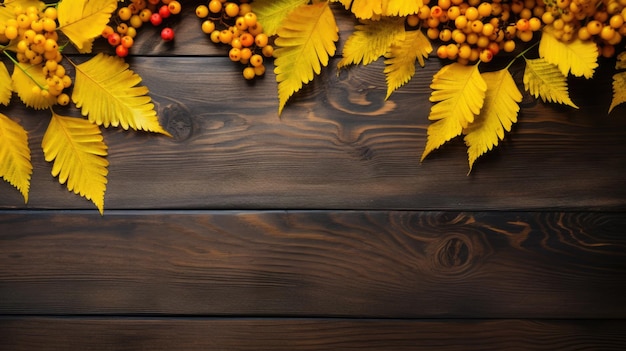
column 95, row 334
column 314, row 263
column 320, row 229
column 338, row 145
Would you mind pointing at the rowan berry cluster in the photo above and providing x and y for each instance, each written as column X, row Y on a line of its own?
column 472, row 30
column 599, row 20
column 234, row 24
column 132, row 15
column 34, row 30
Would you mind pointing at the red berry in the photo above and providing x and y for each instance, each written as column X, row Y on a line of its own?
column 114, row 39
column 164, row 11
column 121, row 51
column 156, row 19
column 167, row 34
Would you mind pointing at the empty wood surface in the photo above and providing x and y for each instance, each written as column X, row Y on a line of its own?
column 315, row 263
column 320, row 228
column 133, row 334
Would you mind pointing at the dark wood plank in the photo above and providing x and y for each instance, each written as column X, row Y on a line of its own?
column 338, row 145
column 95, row 334
column 320, row 263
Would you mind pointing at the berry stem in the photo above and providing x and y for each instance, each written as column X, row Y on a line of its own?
column 521, row 54
column 18, row 65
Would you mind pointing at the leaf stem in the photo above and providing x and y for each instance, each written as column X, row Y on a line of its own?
column 25, row 71
column 522, row 54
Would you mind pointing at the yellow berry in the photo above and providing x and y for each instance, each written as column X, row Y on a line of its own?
column 248, row 73
column 174, row 7
column 208, row 26
column 231, row 9
column 215, row 6
column 63, row 99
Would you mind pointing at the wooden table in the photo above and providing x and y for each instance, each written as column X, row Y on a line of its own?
column 320, row 229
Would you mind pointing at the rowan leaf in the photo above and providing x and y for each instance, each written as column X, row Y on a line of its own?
column 5, row 85
column 371, row 40
column 7, row 9
column 402, row 8
column 305, row 42
column 544, row 79
column 15, row 165
column 79, row 153
column 458, row 94
column 272, row 13
column 107, row 92
column 376, row 9
column 619, row 90
column 578, row 57
column 401, row 57
column 620, row 63
column 27, row 83
column 498, row 114
column 83, row 20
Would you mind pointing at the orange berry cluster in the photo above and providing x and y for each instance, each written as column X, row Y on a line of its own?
column 472, row 30
column 132, row 15
column 234, row 24
column 602, row 21
column 34, row 30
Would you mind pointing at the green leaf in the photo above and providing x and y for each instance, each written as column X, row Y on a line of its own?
column 498, row 114
column 544, row 79
column 107, row 92
column 371, row 40
column 79, row 153
column 15, row 166
column 401, row 57
column 305, row 43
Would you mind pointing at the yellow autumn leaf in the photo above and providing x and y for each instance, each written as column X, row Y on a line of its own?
column 544, row 79
column 578, row 57
column 305, row 42
column 83, row 20
column 7, row 9
column 27, row 81
column 619, row 90
column 402, row 8
column 371, row 40
column 107, row 92
column 375, row 9
column 401, row 56
column 15, row 166
column 5, row 85
column 498, row 114
column 271, row 13
column 79, row 153
column 458, row 94
column 620, row 62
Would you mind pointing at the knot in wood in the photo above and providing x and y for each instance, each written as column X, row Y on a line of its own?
column 453, row 254
column 177, row 121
